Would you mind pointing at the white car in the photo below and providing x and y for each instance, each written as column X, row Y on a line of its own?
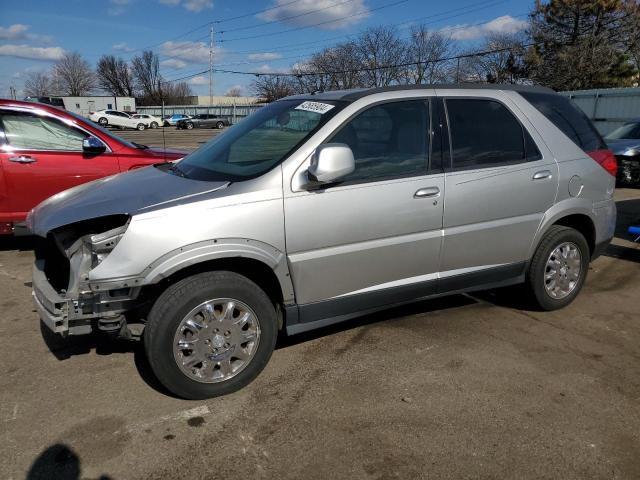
column 149, row 120
column 117, row 119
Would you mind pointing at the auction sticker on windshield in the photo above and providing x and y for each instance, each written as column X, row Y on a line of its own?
column 317, row 107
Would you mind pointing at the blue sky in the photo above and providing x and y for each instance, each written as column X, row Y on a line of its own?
column 251, row 35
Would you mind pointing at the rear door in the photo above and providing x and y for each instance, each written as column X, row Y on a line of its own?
column 41, row 156
column 499, row 184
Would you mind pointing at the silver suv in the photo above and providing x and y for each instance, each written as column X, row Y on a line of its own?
column 319, row 208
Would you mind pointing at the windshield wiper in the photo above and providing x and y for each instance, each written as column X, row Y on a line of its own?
column 139, row 146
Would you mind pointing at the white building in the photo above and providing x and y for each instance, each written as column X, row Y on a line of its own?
column 84, row 105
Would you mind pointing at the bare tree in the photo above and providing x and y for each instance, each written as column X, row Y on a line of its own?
column 380, row 49
column 176, row 93
column 234, row 92
column 507, row 62
column 146, row 72
column 38, row 84
column 114, row 76
column 428, row 49
column 74, row 75
column 273, row 87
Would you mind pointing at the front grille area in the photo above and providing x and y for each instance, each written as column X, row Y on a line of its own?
column 56, row 264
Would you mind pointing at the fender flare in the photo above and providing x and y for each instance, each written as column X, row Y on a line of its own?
column 218, row 249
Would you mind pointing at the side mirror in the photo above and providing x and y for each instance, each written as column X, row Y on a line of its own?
column 93, row 145
column 331, row 162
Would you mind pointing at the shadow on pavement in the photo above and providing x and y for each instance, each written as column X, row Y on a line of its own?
column 58, row 462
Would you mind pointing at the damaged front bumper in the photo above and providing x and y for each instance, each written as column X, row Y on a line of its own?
column 79, row 315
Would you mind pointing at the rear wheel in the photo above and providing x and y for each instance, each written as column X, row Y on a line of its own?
column 220, row 125
column 210, row 334
column 141, row 126
column 558, row 268
column 103, row 121
column 154, row 124
column 189, row 126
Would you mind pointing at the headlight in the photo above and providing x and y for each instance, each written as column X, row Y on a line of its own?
column 101, row 244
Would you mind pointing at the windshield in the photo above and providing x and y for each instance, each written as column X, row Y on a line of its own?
column 259, row 142
column 630, row 131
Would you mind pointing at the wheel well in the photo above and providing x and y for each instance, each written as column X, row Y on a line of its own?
column 256, row 271
column 584, row 225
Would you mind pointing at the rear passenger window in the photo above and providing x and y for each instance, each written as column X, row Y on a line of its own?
column 565, row 115
column 388, row 140
column 484, row 133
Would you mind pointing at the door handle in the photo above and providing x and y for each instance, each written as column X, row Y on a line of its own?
column 22, row 159
column 427, row 192
column 541, row 175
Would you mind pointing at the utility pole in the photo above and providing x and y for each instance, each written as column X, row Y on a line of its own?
column 211, row 66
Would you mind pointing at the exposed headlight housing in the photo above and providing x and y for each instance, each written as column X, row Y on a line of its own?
column 102, row 244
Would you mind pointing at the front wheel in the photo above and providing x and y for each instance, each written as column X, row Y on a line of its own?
column 210, row 334
column 154, row 124
column 141, row 126
column 558, row 268
column 220, row 125
column 103, row 121
column 189, row 126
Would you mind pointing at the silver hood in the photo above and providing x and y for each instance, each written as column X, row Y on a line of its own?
column 128, row 193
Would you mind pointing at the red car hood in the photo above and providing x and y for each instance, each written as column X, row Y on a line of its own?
column 169, row 153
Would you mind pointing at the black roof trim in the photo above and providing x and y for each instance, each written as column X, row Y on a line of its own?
column 355, row 95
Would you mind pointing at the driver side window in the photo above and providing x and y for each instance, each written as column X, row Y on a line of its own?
column 388, row 140
column 31, row 132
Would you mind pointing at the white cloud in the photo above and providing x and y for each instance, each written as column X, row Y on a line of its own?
column 19, row 31
column 504, row 24
column 199, row 80
column 173, row 63
column 189, row 52
column 191, row 5
column 264, row 56
column 122, row 47
column 310, row 12
column 13, row 32
column 33, row 53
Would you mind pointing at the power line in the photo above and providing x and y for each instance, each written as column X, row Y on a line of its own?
column 284, row 19
column 363, row 12
column 369, row 69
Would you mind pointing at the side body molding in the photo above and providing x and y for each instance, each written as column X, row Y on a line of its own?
column 217, row 249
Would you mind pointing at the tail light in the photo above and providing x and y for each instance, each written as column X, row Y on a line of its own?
column 606, row 159
column 91, row 113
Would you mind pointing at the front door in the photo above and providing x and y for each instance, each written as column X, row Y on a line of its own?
column 42, row 156
column 499, row 186
column 374, row 238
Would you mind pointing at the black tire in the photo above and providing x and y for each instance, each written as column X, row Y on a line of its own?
column 141, row 127
column 154, row 125
column 166, row 124
column 220, row 125
column 189, row 126
column 175, row 303
column 535, row 278
column 102, row 121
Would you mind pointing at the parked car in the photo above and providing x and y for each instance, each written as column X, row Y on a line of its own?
column 116, row 119
column 172, row 120
column 625, row 144
column 203, row 120
column 319, row 208
column 44, row 150
column 149, row 120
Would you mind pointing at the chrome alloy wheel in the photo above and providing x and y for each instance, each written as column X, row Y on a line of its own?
column 216, row 340
column 562, row 271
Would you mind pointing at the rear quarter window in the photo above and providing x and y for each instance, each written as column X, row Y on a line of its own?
column 565, row 115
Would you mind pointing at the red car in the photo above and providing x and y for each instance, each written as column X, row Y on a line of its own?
column 44, row 150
